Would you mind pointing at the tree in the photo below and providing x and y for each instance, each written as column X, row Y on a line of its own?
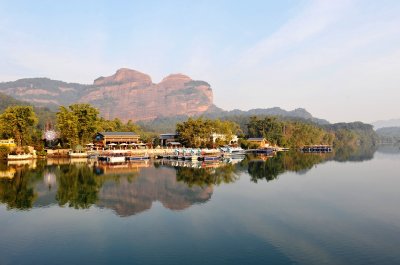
column 67, row 124
column 87, row 117
column 78, row 123
column 18, row 122
column 198, row 132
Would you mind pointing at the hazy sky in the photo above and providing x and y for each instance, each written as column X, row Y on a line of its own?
column 338, row 59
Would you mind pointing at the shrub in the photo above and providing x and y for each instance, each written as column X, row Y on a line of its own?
column 4, row 151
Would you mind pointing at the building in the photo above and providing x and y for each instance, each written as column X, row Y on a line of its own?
column 167, row 138
column 233, row 139
column 9, row 143
column 261, row 142
column 109, row 139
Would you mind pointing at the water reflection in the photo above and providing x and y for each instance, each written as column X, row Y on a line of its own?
column 132, row 188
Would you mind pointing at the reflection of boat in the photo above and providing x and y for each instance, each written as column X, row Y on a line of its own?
column 137, row 158
column 78, row 155
column 20, row 162
column 120, row 168
column 210, row 158
column 20, row 157
column 234, row 160
column 75, row 160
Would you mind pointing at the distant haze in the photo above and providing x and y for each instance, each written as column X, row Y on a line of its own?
column 338, row 59
column 386, row 123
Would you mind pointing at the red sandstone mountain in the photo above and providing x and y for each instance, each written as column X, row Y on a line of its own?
column 129, row 94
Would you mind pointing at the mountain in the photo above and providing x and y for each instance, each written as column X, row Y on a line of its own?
column 389, row 134
column 44, row 114
column 132, row 95
column 44, row 92
column 386, row 123
column 298, row 113
column 128, row 94
column 8, row 101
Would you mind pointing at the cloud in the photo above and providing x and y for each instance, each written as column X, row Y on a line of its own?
column 314, row 19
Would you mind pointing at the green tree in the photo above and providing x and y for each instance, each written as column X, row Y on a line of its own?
column 78, row 123
column 18, row 122
column 67, row 124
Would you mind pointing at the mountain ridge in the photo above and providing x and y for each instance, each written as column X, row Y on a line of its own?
column 131, row 94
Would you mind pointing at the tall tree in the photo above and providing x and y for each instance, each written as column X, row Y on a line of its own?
column 18, row 122
column 67, row 124
column 78, row 123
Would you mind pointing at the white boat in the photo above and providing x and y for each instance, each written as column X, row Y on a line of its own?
column 116, row 159
column 20, row 157
column 233, row 151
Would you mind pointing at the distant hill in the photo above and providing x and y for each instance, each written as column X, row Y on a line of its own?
column 167, row 124
column 128, row 94
column 275, row 111
column 386, row 123
column 44, row 114
column 389, row 134
column 7, row 101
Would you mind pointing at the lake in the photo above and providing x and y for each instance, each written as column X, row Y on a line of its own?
column 293, row 208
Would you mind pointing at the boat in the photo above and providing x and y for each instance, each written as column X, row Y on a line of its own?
column 115, row 159
column 317, row 149
column 20, row 157
column 233, row 151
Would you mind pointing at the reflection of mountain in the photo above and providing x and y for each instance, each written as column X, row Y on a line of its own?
column 152, row 184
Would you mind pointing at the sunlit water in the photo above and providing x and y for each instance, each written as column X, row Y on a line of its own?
column 341, row 208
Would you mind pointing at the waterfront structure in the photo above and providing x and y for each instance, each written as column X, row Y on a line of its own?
column 107, row 139
column 8, row 142
column 261, row 142
column 168, row 139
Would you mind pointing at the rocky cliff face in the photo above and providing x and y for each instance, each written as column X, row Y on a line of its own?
column 128, row 95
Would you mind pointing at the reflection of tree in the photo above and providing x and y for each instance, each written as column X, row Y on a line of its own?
column 300, row 162
column 281, row 162
column 354, row 153
column 206, row 176
column 17, row 193
column 77, row 186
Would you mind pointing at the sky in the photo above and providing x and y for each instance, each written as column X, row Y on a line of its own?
column 339, row 59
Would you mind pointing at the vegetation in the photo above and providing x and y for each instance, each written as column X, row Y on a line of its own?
column 4, row 151
column 198, row 132
column 389, row 134
column 18, row 122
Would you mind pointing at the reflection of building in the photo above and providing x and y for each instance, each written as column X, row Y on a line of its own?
column 49, row 179
column 169, row 139
column 120, row 169
column 8, row 142
column 9, row 173
column 104, row 139
column 261, row 142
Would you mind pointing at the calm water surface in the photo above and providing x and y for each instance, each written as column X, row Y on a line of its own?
column 341, row 208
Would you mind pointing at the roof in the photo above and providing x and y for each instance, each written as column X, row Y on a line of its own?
column 256, row 139
column 118, row 133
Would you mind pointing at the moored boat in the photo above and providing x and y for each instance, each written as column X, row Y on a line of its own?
column 20, row 157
